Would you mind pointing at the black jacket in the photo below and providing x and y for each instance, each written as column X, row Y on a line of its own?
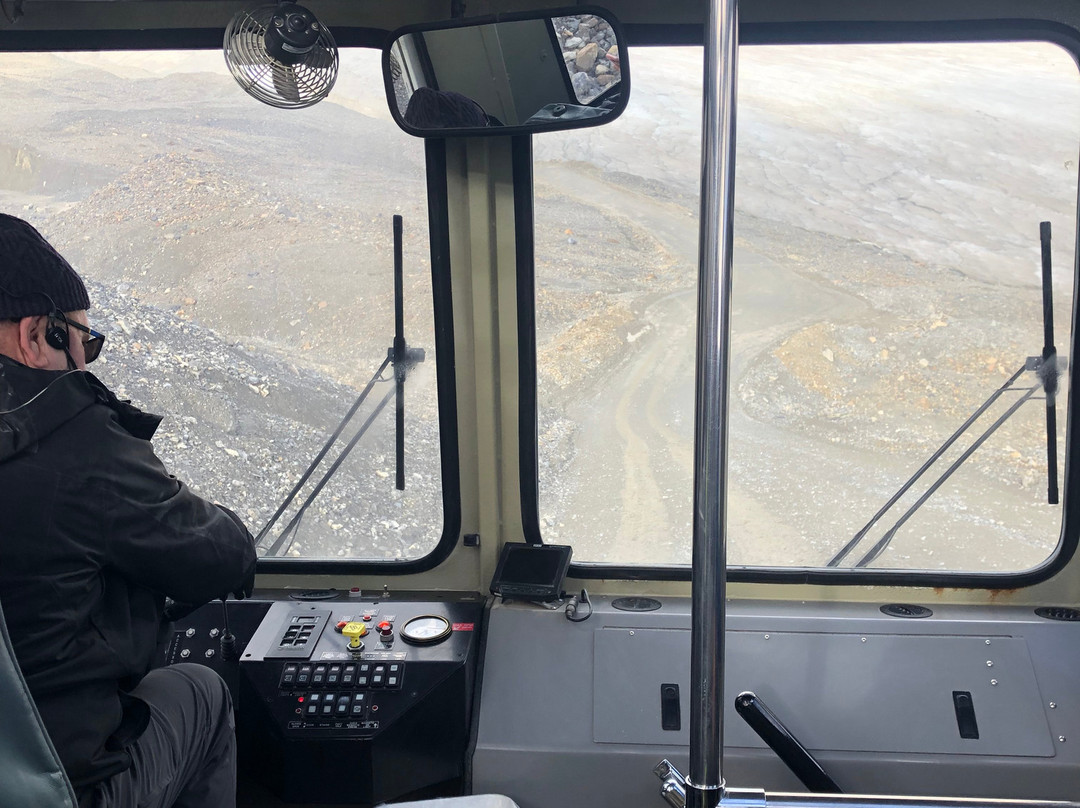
column 94, row 533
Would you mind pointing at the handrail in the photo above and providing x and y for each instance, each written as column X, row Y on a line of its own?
column 675, row 790
column 712, row 380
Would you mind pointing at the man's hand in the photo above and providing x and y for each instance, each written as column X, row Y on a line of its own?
column 248, row 586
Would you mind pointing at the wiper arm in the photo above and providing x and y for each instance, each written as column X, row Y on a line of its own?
column 319, row 457
column 294, row 523
column 884, row 541
column 858, row 537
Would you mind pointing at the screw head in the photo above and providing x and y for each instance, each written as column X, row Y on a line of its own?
column 766, row 636
column 988, row 642
column 989, row 664
column 862, row 639
column 993, row 682
column 1053, row 705
column 1061, row 738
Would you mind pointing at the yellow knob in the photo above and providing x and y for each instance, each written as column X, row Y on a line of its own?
column 354, row 631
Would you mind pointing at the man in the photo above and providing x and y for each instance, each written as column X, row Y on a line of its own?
column 94, row 534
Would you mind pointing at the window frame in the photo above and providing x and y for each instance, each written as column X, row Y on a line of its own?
column 822, row 33
column 20, row 41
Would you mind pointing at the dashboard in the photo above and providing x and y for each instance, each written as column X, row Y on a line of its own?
column 343, row 699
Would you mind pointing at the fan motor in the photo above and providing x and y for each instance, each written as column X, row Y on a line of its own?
column 292, row 33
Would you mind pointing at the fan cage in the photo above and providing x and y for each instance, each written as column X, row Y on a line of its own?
column 272, row 82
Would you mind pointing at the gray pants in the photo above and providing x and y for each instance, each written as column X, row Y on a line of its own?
column 187, row 756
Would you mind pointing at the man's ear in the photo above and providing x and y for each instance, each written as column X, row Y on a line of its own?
column 32, row 343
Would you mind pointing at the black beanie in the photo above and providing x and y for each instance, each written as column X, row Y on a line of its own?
column 440, row 109
column 32, row 274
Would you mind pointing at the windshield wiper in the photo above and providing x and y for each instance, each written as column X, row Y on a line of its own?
column 402, row 358
column 1045, row 367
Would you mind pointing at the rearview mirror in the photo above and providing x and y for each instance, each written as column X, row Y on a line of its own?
column 510, row 74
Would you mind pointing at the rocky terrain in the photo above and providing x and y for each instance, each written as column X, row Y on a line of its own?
column 590, row 52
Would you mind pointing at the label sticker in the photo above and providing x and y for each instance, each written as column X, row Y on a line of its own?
column 463, row 626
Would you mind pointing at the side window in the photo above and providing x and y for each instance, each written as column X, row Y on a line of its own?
column 239, row 259
column 888, row 289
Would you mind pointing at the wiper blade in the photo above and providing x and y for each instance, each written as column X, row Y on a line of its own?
column 1048, row 371
column 403, row 357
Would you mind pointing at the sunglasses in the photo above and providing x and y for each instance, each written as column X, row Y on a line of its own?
column 91, row 345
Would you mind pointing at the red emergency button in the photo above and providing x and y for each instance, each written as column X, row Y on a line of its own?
column 340, row 625
column 385, row 627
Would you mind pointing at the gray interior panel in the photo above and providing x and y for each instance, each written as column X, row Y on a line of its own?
column 870, row 692
column 570, row 712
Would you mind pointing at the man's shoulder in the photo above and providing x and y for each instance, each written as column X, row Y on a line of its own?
column 35, row 404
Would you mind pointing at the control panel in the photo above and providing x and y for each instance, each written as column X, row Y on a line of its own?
column 351, row 670
column 332, row 691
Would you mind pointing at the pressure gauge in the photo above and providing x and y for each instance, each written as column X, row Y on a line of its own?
column 426, row 630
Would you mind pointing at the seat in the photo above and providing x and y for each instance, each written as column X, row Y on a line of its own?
column 32, row 771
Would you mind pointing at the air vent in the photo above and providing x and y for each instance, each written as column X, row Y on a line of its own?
column 1058, row 613
column 315, row 594
column 636, row 604
column 905, row 610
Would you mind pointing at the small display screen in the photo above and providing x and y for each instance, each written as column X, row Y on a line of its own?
column 535, row 567
column 538, row 565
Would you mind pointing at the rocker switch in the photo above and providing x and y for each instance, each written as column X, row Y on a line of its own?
column 965, row 714
column 670, row 715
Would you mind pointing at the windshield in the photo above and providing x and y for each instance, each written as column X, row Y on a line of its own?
column 888, row 287
column 239, row 259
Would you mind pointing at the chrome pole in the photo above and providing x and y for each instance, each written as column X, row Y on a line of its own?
column 705, row 782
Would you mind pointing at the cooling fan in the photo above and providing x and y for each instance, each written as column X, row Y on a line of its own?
column 282, row 55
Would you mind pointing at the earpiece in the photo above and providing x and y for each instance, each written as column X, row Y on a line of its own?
column 56, row 332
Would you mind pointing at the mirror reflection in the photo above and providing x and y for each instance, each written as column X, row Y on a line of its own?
column 537, row 74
